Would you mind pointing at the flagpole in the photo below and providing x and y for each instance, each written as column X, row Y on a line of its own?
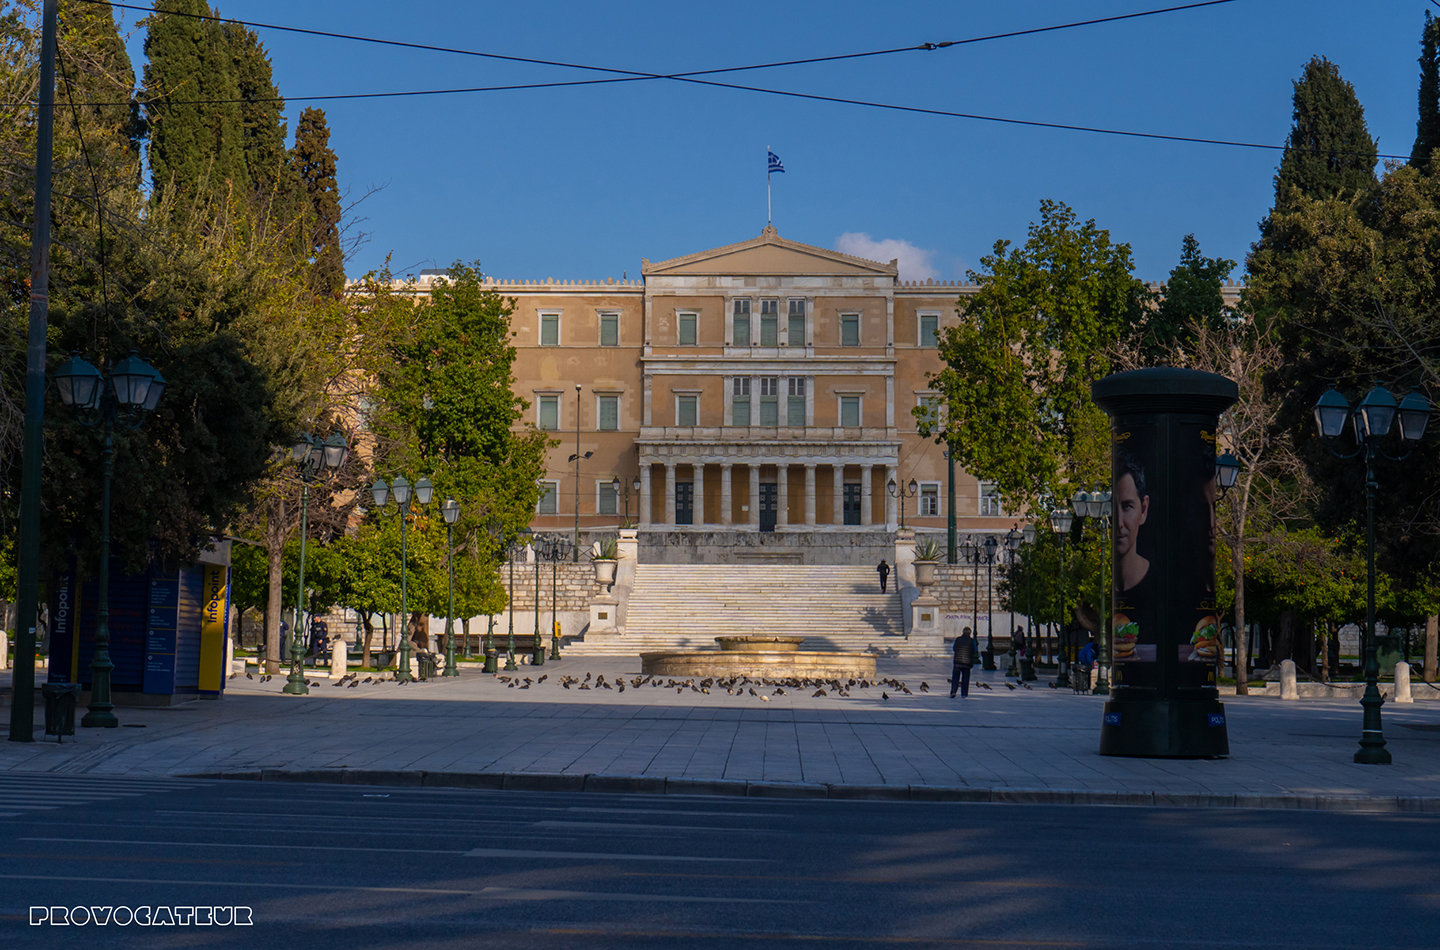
column 768, row 218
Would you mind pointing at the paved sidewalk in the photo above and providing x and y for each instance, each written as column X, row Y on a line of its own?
column 1001, row 744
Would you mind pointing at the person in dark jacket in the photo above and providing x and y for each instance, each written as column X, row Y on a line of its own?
column 964, row 660
column 884, row 570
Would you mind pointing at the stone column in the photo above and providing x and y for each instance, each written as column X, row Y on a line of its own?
column 699, row 482
column 837, row 514
column 782, row 482
column 1402, row 683
column 755, row 495
column 645, row 495
column 727, row 499
column 669, row 493
column 810, row 494
column 867, row 479
column 891, row 503
column 1288, row 688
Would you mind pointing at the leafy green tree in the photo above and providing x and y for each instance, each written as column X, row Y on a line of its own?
column 314, row 163
column 1192, row 299
column 444, row 405
column 1427, row 126
column 273, row 182
column 1016, row 381
column 1330, row 151
column 191, row 98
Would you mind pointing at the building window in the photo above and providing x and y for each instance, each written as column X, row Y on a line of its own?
column 990, row 500
column 740, row 401
column 607, row 499
column 740, row 324
column 928, row 418
column 850, row 411
column 687, row 410
column 549, row 503
column 795, row 405
column 607, row 413
column 769, row 401
column 795, row 333
column 609, row 329
column 769, row 322
column 548, row 413
column 549, row 329
column 929, row 330
column 849, row 329
column 929, row 499
column 686, row 321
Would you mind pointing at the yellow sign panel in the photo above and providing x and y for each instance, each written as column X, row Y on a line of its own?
column 212, row 627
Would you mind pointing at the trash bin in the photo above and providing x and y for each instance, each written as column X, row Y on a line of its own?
column 426, row 664
column 60, row 701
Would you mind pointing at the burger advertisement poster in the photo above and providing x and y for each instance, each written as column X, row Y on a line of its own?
column 1164, row 551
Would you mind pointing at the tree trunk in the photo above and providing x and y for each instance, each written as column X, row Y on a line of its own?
column 465, row 636
column 275, row 556
column 369, row 632
column 1284, row 648
column 1242, row 634
column 1432, row 626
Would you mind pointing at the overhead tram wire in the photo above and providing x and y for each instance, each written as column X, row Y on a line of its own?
column 639, row 75
column 694, row 76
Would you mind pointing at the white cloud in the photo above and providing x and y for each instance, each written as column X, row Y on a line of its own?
column 915, row 263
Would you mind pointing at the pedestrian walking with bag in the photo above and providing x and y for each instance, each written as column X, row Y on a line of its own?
column 964, row 660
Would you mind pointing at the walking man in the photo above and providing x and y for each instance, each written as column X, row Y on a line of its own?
column 964, row 659
column 884, row 571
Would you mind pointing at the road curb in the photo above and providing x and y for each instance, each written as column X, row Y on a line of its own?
column 654, row 785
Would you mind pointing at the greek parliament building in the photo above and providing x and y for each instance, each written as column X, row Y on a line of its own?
column 748, row 403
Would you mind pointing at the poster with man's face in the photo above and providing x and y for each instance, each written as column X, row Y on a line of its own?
column 1134, row 624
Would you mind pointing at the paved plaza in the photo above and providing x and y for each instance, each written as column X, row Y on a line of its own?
column 1000, row 744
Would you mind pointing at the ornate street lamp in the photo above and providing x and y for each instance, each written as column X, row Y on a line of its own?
column 1098, row 504
column 1060, row 521
column 537, row 645
column 1372, row 420
column 402, row 491
column 521, row 540
column 558, row 551
column 1032, row 629
column 901, row 494
column 493, row 529
column 131, row 391
column 1012, row 545
column 988, row 661
column 971, row 552
column 450, row 511
column 317, row 458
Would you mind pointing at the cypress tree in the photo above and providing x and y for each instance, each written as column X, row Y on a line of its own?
column 315, row 164
column 262, row 120
column 191, row 102
column 1330, row 151
column 1427, row 126
column 98, row 72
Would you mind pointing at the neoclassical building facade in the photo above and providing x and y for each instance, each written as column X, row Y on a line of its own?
column 750, row 402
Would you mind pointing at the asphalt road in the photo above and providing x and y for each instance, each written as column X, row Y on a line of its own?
column 323, row 866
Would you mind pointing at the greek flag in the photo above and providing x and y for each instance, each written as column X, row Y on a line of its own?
column 775, row 164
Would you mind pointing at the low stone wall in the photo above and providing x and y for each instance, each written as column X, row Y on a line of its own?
column 575, row 585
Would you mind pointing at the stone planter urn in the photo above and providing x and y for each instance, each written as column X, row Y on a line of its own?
column 924, row 574
column 605, row 571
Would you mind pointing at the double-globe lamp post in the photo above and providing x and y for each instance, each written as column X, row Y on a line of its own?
column 401, row 489
column 557, row 551
column 450, row 511
column 131, row 391
column 900, row 494
column 316, row 457
column 1372, row 420
column 1060, row 521
column 1012, row 547
column 1098, row 504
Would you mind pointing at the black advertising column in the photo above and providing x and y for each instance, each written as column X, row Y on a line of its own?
column 1165, row 644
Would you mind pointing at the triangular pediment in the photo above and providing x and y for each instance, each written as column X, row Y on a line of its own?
column 769, row 255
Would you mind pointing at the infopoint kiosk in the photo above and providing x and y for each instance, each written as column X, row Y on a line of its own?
column 168, row 630
column 1165, row 642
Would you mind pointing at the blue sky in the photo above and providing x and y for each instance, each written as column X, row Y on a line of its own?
column 583, row 182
